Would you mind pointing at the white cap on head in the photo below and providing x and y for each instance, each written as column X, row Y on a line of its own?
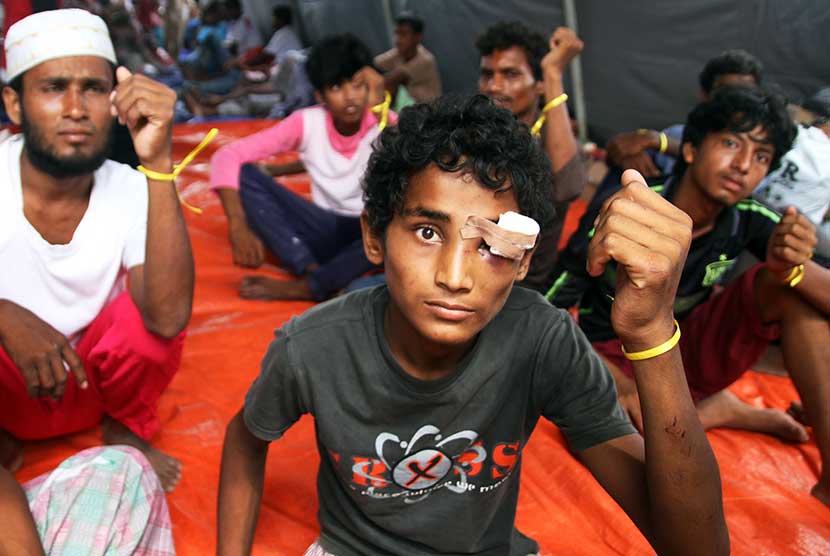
column 55, row 34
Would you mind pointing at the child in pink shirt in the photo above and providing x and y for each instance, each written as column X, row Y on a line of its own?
column 319, row 241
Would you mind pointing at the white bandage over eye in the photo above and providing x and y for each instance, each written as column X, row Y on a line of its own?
column 511, row 237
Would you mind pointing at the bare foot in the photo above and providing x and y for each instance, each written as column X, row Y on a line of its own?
column 725, row 410
column 11, row 452
column 168, row 468
column 271, row 289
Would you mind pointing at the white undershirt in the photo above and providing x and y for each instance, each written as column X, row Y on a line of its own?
column 68, row 285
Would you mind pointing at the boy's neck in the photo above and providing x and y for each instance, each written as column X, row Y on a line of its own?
column 346, row 129
column 690, row 199
column 419, row 357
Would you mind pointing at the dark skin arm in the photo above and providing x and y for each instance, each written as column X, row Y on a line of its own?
column 240, row 489
column 247, row 249
column 162, row 288
column 559, row 141
column 19, row 536
column 791, row 244
column 628, row 150
column 667, row 481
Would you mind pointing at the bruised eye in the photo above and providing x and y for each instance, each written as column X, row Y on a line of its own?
column 427, row 234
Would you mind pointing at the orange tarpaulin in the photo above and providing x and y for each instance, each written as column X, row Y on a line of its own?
column 766, row 482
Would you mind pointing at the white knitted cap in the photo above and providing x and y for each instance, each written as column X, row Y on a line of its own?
column 55, row 34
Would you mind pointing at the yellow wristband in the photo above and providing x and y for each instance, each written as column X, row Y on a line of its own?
column 383, row 110
column 655, row 351
column 664, row 142
column 537, row 126
column 796, row 276
column 177, row 168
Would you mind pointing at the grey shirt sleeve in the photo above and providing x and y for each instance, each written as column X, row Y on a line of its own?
column 575, row 389
column 275, row 400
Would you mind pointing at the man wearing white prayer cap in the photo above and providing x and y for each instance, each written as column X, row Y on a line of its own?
column 97, row 284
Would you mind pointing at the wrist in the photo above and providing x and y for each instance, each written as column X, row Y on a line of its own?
column 648, row 336
column 162, row 165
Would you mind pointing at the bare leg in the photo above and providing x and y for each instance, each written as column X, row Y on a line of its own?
column 805, row 344
column 168, row 468
column 724, row 409
column 11, row 452
column 271, row 289
column 19, row 530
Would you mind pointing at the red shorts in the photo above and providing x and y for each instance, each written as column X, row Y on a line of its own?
column 720, row 339
column 128, row 368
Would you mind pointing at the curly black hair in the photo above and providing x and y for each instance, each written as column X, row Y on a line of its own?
column 335, row 59
column 507, row 34
column 457, row 134
column 735, row 61
column 739, row 110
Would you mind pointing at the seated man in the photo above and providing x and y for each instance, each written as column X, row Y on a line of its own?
column 435, row 381
column 522, row 72
column 730, row 142
column 98, row 277
column 410, row 64
column 652, row 152
column 319, row 241
column 803, row 180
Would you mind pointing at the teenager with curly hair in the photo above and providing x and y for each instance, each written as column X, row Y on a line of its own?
column 426, row 390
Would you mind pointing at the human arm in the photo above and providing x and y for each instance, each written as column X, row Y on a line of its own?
column 667, row 481
column 240, row 488
column 559, row 141
column 375, row 82
column 226, row 163
column 40, row 353
column 19, row 536
column 791, row 244
column 162, row 287
column 630, row 150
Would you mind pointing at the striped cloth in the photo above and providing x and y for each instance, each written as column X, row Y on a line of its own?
column 104, row 501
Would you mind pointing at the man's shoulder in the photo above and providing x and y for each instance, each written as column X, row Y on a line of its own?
column 386, row 59
column 527, row 308
column 425, row 54
column 335, row 316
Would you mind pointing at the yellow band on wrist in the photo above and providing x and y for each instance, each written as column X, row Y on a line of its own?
column 177, row 168
column 537, row 126
column 795, row 276
column 655, row 351
column 664, row 142
column 383, row 110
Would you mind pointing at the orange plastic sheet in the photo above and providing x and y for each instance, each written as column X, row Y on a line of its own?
column 766, row 483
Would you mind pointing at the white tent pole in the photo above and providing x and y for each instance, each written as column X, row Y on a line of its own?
column 569, row 8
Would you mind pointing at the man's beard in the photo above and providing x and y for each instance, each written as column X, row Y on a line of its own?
column 45, row 160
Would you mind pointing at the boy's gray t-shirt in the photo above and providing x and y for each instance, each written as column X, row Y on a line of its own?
column 429, row 467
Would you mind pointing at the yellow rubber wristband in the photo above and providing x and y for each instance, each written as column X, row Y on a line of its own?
column 177, row 168
column 794, row 280
column 664, row 142
column 383, row 110
column 537, row 126
column 655, row 351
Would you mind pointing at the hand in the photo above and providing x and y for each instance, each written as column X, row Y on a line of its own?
column 642, row 163
column 649, row 239
column 375, row 82
column 791, row 243
column 628, row 144
column 146, row 107
column 564, row 47
column 247, row 248
column 38, row 351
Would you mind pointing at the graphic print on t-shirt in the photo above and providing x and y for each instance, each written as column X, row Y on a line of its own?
column 429, row 461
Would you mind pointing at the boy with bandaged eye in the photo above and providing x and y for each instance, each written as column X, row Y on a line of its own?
column 426, row 390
